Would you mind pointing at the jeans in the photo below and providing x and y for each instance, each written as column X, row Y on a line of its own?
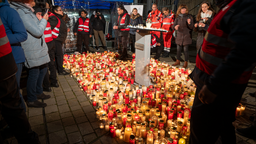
column 35, row 82
column 14, row 114
column 124, row 41
column 18, row 75
column 179, row 48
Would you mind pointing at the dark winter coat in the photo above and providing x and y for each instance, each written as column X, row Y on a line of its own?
column 135, row 20
column 97, row 23
column 184, row 33
column 201, row 33
column 63, row 27
column 127, row 22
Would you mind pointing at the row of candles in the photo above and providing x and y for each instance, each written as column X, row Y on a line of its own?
column 156, row 114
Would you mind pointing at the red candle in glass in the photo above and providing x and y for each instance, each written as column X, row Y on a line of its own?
column 160, row 106
column 181, row 96
column 110, row 115
column 129, row 79
column 179, row 114
column 160, row 126
column 153, row 103
column 124, row 121
column 127, row 100
column 94, row 103
column 135, row 100
column 113, row 133
column 85, row 88
column 105, row 107
column 109, row 103
column 175, row 141
column 132, row 81
column 170, row 116
column 168, row 109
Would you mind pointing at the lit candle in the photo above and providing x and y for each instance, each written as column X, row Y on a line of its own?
column 162, row 133
column 150, row 138
column 118, row 133
column 101, row 126
column 107, row 127
column 127, row 133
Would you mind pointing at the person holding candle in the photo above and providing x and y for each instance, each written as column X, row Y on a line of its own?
column 203, row 20
column 183, row 24
column 224, row 65
column 123, row 32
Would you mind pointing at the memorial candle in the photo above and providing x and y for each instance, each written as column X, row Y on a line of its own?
column 127, row 133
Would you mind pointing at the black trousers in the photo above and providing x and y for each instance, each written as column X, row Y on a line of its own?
column 82, row 38
column 123, row 49
column 179, row 49
column 212, row 121
column 52, row 77
column 58, row 56
column 14, row 114
column 159, row 50
column 132, row 38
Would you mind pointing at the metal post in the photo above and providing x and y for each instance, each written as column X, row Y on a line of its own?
column 149, row 5
column 135, row 2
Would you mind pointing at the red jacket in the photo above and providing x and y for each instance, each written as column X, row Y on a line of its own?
column 48, row 33
column 156, row 18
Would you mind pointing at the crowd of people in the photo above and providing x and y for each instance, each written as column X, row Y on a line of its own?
column 33, row 36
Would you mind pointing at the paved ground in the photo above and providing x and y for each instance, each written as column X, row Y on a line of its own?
column 69, row 117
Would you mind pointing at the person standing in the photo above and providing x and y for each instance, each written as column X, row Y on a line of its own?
column 10, row 99
column 168, row 20
column 16, row 34
column 59, row 34
column 52, row 77
column 123, row 32
column 136, row 19
column 203, row 20
column 156, row 18
column 83, row 31
column 224, row 65
column 184, row 26
column 36, row 52
column 98, row 24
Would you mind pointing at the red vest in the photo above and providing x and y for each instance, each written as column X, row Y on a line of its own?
column 156, row 22
column 56, row 30
column 168, row 22
column 153, row 41
column 216, row 47
column 122, row 22
column 83, row 26
column 48, row 33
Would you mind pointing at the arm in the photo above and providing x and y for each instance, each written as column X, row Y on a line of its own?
column 34, row 28
column 53, row 21
column 90, row 27
column 242, row 33
column 75, row 29
column 127, row 21
column 191, row 25
column 103, row 19
column 175, row 23
column 19, row 33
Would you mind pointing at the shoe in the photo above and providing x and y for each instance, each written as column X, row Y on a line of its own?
column 47, row 89
column 97, row 48
column 252, row 94
column 165, row 54
column 176, row 63
column 105, row 48
column 36, row 104
column 185, row 64
column 64, row 73
column 249, row 132
column 54, row 84
column 43, row 96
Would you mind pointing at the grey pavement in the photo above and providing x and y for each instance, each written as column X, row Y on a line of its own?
column 70, row 118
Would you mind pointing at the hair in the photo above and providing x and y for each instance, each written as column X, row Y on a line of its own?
column 181, row 7
column 84, row 12
column 165, row 9
column 154, row 4
column 134, row 9
column 55, row 8
column 198, row 17
column 22, row 1
column 121, row 7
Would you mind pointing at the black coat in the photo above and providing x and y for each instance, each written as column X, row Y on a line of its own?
column 63, row 27
column 97, row 23
column 184, row 33
column 127, row 22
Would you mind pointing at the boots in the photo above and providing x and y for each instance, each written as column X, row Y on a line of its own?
column 176, row 63
column 185, row 64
